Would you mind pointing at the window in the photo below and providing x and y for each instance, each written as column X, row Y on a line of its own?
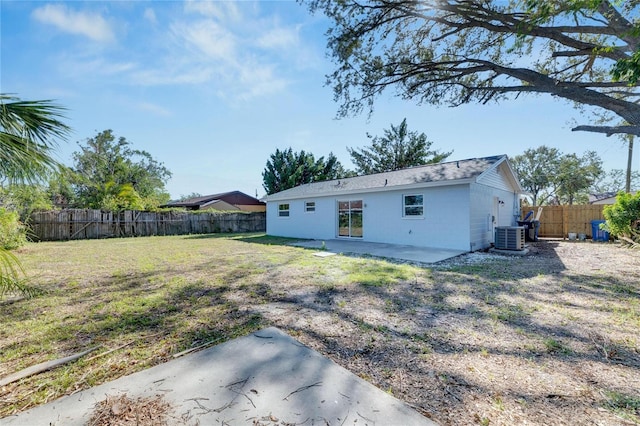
column 283, row 210
column 413, row 205
column 310, row 206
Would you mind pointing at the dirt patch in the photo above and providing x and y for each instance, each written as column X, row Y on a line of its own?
column 548, row 338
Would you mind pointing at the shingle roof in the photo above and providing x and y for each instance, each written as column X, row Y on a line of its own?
column 601, row 196
column 431, row 174
column 232, row 197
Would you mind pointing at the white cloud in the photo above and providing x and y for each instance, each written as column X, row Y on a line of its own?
column 150, row 15
column 207, row 37
column 177, row 75
column 223, row 11
column 87, row 24
column 154, row 109
column 238, row 57
column 279, row 38
column 81, row 66
column 259, row 80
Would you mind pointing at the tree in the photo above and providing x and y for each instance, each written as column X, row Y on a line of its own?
column 24, row 199
column 28, row 132
column 575, row 177
column 623, row 217
column 536, row 169
column 287, row 169
column 397, row 149
column 188, row 197
column 615, row 180
column 551, row 176
column 460, row 51
column 111, row 175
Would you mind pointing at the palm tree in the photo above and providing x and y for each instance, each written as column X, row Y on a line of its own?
column 27, row 137
column 28, row 130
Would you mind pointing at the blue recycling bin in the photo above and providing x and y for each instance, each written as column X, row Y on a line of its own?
column 598, row 234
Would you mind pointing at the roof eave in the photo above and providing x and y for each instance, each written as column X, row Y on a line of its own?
column 418, row 185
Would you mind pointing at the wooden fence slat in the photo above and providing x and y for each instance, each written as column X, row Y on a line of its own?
column 60, row 225
column 559, row 221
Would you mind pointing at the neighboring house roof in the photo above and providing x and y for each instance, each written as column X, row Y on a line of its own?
column 235, row 198
column 601, row 196
column 604, row 197
column 450, row 173
column 219, row 205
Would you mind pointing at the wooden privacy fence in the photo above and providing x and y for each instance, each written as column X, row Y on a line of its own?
column 83, row 224
column 558, row 221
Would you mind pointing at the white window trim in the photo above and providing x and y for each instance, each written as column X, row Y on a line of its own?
column 306, row 207
column 288, row 210
column 404, row 207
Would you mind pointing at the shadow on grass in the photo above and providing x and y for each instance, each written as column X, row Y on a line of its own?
column 246, row 237
column 235, row 294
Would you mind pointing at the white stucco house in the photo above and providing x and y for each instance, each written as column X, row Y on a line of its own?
column 454, row 205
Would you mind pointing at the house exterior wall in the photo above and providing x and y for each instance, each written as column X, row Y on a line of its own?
column 444, row 223
column 495, row 178
column 252, row 207
column 486, row 202
column 320, row 224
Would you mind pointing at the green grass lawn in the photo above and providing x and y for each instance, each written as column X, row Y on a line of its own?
column 501, row 341
column 157, row 295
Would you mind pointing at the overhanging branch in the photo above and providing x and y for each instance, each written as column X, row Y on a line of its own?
column 609, row 130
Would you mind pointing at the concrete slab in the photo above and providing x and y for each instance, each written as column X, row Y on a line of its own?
column 265, row 375
column 523, row 252
column 389, row 251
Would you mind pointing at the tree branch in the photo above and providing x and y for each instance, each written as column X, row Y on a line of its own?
column 609, row 130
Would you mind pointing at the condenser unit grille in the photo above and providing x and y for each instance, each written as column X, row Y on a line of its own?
column 510, row 238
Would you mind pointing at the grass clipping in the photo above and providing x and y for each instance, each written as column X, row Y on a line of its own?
column 123, row 411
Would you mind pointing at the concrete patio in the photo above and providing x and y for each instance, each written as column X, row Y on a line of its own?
column 389, row 251
column 266, row 377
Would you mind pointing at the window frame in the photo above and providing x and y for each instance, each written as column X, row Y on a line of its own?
column 405, row 206
column 281, row 210
column 307, row 205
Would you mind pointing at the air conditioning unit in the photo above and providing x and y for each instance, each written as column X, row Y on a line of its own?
column 509, row 238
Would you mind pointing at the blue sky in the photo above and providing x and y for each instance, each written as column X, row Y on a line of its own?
column 211, row 89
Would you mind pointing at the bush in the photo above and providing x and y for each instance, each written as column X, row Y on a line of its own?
column 623, row 217
column 13, row 233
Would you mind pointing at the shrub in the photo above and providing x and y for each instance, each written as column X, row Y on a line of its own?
column 623, row 217
column 13, row 233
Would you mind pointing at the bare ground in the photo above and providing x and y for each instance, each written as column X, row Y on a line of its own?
column 549, row 338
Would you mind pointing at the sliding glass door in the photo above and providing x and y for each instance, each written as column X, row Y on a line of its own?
column 350, row 219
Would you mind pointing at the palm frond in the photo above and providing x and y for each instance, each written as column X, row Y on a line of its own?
column 12, row 276
column 28, row 133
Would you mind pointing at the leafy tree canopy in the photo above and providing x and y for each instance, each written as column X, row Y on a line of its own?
column 454, row 52
column 397, row 149
column 109, row 174
column 553, row 177
column 188, row 197
column 615, row 180
column 623, row 217
column 286, row 169
column 576, row 175
column 24, row 199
